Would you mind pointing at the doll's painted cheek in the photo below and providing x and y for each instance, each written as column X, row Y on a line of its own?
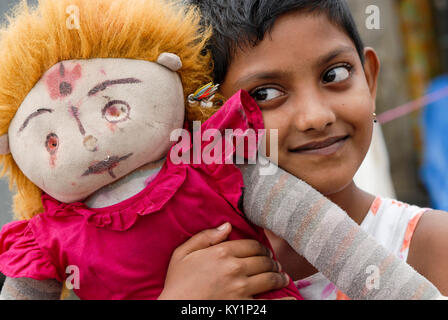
column 53, row 161
column 112, row 126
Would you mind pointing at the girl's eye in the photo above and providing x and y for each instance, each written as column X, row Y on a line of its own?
column 337, row 74
column 266, row 94
column 52, row 143
column 116, row 111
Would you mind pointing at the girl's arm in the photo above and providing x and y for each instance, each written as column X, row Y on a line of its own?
column 328, row 238
column 30, row 289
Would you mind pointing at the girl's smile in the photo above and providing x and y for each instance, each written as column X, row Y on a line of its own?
column 324, row 148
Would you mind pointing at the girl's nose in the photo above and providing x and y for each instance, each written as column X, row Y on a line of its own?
column 90, row 143
column 312, row 115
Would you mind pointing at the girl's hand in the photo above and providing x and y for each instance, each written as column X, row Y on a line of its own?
column 206, row 268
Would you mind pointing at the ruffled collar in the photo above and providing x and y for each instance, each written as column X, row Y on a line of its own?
column 122, row 216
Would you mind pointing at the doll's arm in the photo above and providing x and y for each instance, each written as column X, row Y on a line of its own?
column 328, row 238
column 30, row 289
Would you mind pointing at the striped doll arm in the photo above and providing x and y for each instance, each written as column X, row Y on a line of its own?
column 328, row 238
column 30, row 289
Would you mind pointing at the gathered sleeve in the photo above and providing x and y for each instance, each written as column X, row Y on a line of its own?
column 21, row 256
column 243, row 117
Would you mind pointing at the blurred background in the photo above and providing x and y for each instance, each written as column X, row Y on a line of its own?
column 412, row 43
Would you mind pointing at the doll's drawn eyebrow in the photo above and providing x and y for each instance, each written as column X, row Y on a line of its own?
column 102, row 86
column 33, row 115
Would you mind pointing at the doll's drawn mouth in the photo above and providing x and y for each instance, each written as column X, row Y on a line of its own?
column 106, row 165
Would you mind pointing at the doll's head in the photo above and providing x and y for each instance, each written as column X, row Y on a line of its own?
column 82, row 106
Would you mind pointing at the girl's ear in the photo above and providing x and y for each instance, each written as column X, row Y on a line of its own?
column 4, row 145
column 170, row 60
column 371, row 69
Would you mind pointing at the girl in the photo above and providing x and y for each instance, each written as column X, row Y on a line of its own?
column 306, row 66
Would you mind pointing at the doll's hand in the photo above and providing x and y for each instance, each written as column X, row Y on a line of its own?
column 206, row 268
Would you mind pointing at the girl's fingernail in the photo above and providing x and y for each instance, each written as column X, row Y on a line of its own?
column 223, row 227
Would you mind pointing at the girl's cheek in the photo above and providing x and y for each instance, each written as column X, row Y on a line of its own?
column 358, row 110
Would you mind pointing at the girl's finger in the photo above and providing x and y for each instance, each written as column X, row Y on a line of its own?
column 260, row 264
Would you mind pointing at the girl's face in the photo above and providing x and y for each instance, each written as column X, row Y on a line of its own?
column 87, row 123
column 309, row 82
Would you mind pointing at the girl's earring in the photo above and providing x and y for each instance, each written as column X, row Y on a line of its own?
column 375, row 120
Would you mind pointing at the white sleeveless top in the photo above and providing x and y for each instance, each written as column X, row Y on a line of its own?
column 392, row 223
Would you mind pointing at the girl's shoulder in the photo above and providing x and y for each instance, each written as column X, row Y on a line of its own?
column 429, row 248
column 393, row 224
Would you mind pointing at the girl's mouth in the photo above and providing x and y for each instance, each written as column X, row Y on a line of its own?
column 324, row 148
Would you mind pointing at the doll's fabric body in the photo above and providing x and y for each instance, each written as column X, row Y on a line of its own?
column 123, row 251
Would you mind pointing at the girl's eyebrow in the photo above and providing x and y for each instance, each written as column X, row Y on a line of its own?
column 276, row 74
column 33, row 115
column 103, row 86
column 263, row 75
column 326, row 58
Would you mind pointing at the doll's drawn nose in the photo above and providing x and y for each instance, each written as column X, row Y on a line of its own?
column 90, row 143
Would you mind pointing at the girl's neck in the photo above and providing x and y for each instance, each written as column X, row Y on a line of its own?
column 354, row 201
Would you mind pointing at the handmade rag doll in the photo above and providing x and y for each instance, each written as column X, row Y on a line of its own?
column 87, row 114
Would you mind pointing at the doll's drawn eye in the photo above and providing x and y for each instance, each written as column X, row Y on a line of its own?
column 52, row 143
column 116, row 111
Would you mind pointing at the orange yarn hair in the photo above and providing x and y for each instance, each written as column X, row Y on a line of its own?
column 37, row 38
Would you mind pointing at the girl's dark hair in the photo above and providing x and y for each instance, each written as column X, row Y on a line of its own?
column 237, row 23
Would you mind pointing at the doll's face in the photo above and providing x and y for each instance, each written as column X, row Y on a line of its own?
column 87, row 123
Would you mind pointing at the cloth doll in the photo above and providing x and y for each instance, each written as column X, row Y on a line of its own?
column 87, row 113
